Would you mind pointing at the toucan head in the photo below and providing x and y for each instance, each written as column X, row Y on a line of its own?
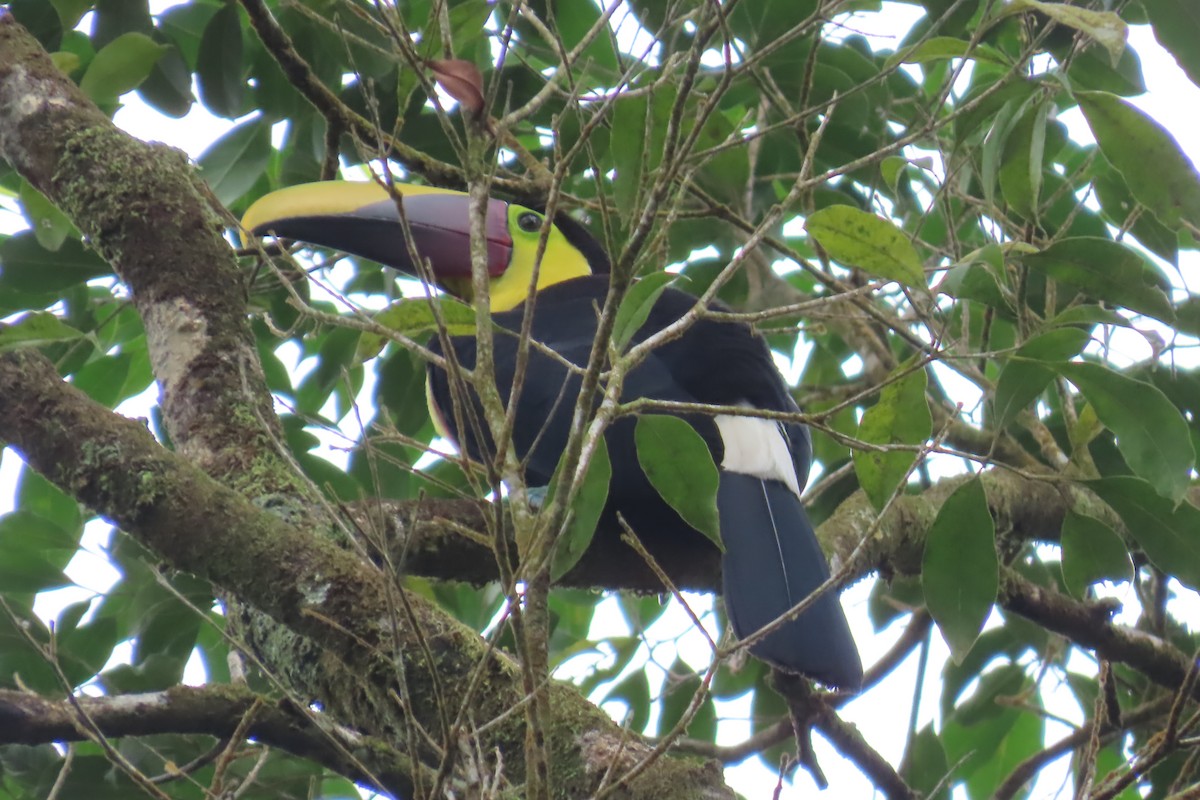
column 364, row 219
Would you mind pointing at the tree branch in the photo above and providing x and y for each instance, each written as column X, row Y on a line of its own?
column 30, row 719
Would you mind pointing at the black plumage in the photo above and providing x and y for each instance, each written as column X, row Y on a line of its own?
column 772, row 560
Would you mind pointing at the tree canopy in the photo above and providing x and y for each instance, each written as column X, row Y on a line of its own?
column 989, row 331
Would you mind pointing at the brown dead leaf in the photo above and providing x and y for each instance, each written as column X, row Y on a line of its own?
column 461, row 80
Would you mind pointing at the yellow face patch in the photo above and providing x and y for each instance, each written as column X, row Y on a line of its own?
column 560, row 260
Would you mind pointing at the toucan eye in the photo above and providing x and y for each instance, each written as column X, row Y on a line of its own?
column 529, row 222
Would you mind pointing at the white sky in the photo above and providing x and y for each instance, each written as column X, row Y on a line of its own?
column 882, row 715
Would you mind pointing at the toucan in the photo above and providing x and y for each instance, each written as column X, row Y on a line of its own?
column 771, row 560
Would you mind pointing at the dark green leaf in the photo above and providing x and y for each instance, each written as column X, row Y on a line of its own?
column 22, row 665
column 1109, row 271
column 960, row 571
column 37, row 495
column 83, row 651
column 1167, row 532
column 979, row 277
column 120, row 66
column 1020, row 174
column 1019, row 384
column 33, row 551
column 236, row 160
column 26, row 266
column 219, row 63
column 891, row 600
column 1088, row 315
column 1175, row 24
column 168, row 87
column 634, row 690
column 681, row 469
column 636, row 307
column 1060, row 344
column 1092, row 551
column 989, row 751
column 585, row 513
column 860, row 239
column 630, row 154
column 336, row 351
column 1151, row 434
column 184, row 25
column 925, row 766
column 104, row 378
column 1023, row 378
column 678, row 693
column 901, row 417
column 40, row 19
column 71, row 11
column 1156, row 169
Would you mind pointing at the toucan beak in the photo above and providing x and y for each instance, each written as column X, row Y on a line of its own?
column 364, row 219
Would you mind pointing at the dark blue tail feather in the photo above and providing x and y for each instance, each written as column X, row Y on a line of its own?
column 772, row 562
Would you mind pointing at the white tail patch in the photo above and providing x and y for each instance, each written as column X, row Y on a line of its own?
column 757, row 447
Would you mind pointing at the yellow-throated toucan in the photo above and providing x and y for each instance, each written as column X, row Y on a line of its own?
column 772, row 559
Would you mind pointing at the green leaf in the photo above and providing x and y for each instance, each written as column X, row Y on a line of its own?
column 979, row 277
column 219, row 63
column 414, row 316
column 1105, row 27
column 960, row 572
column 940, row 48
column 1088, row 315
column 1020, row 174
column 925, row 766
column 184, row 25
column 1019, row 384
column 71, row 11
column 39, row 496
column 33, row 551
column 103, row 379
column 680, row 467
column 678, row 693
column 1175, row 24
column 40, row 19
column 636, row 307
column 1023, row 378
column 120, row 66
column 66, row 62
column 1092, row 551
column 989, row 751
column 27, row 266
column 168, row 88
column 1155, row 168
column 34, row 330
column 869, row 242
column 50, row 226
column 1060, row 344
column 634, row 691
column 630, row 156
column 1123, row 211
column 1151, row 433
column 1107, row 270
column 1169, row 533
column 235, row 161
column 900, row 417
column 585, row 513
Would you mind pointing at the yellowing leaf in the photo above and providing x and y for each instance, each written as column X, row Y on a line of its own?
column 869, row 242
